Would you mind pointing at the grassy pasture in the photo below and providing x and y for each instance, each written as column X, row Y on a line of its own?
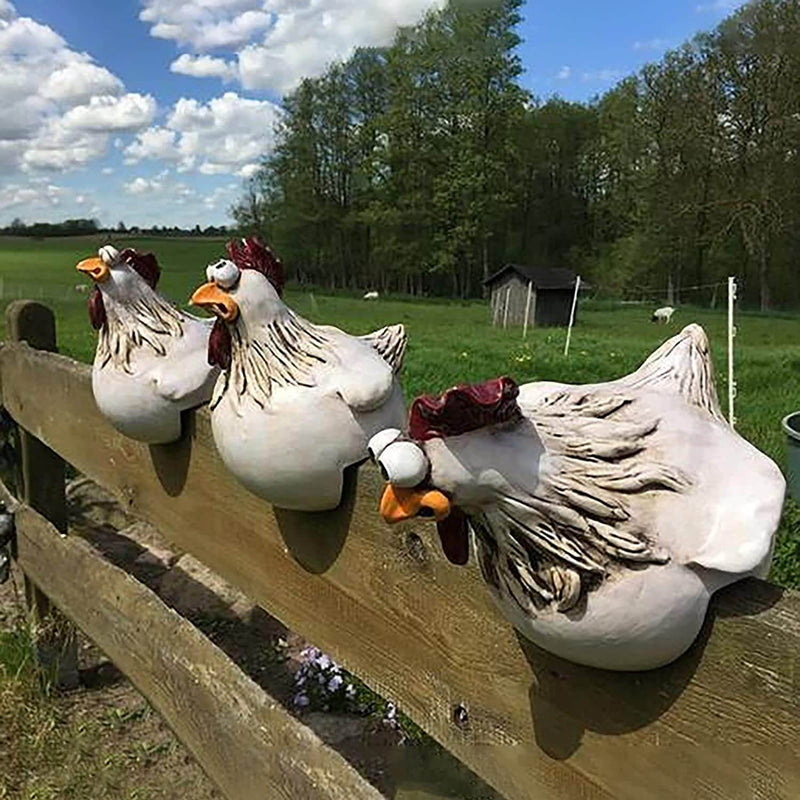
column 451, row 342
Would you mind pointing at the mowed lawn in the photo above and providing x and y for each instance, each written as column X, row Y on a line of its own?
column 452, row 342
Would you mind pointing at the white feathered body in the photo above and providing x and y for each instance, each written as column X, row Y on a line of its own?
column 665, row 502
column 151, row 364
column 299, row 404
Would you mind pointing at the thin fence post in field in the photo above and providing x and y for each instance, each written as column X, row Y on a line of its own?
column 41, row 480
column 572, row 314
column 731, row 335
column 527, row 310
column 505, row 311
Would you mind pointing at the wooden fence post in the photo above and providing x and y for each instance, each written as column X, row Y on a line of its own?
column 41, row 480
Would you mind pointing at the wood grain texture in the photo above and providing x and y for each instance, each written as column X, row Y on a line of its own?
column 723, row 721
column 41, row 477
column 247, row 743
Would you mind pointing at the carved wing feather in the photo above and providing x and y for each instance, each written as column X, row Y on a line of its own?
column 390, row 344
column 550, row 546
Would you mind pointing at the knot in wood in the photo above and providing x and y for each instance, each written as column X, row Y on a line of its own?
column 461, row 717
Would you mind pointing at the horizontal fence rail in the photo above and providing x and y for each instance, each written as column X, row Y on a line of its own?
column 722, row 722
column 245, row 740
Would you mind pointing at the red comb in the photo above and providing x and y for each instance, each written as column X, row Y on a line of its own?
column 463, row 409
column 144, row 263
column 250, row 253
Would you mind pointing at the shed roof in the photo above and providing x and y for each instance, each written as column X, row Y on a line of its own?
column 542, row 277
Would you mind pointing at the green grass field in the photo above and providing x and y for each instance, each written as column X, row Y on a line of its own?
column 455, row 342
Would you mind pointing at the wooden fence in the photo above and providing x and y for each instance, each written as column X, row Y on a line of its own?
column 722, row 722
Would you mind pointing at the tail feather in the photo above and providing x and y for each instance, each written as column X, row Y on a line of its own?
column 683, row 364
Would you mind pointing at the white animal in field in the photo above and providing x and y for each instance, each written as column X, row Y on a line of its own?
column 663, row 315
column 82, row 288
column 150, row 364
column 296, row 403
column 603, row 517
column 371, row 296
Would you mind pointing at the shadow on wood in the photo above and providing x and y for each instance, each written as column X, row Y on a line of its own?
column 171, row 461
column 568, row 699
column 315, row 538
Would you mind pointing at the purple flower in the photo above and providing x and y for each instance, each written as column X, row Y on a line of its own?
column 301, row 700
column 335, row 682
column 322, row 661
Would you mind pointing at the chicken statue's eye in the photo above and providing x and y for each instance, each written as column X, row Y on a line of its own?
column 226, row 274
column 109, row 254
column 380, row 441
column 403, row 464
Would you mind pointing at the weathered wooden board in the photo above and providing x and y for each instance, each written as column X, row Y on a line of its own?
column 247, row 743
column 722, row 722
column 41, row 477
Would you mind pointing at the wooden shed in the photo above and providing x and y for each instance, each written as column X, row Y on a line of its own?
column 546, row 292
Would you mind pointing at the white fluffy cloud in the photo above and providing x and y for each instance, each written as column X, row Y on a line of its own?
column 104, row 114
column 7, row 11
column 163, row 187
column 227, row 135
column 203, row 67
column 79, row 81
column 33, row 193
column 143, row 186
column 275, row 43
column 207, row 24
column 58, row 106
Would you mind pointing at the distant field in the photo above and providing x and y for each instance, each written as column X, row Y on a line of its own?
column 451, row 343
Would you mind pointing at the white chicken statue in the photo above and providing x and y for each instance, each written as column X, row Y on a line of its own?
column 150, row 364
column 297, row 402
column 604, row 516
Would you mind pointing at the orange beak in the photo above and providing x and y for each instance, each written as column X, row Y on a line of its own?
column 210, row 296
column 95, row 268
column 399, row 504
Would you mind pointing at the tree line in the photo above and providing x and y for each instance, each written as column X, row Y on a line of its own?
column 88, row 227
column 424, row 166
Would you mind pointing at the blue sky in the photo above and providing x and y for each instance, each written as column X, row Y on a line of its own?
column 156, row 111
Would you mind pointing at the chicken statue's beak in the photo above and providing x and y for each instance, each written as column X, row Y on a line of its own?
column 95, row 268
column 399, row 504
column 215, row 299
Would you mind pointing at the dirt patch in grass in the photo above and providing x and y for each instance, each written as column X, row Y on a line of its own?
column 100, row 741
